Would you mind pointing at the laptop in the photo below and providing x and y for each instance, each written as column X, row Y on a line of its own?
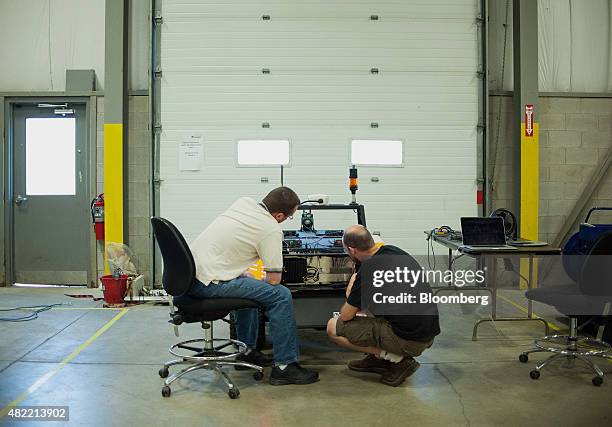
column 484, row 234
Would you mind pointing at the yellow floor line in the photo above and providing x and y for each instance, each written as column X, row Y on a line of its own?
column 524, row 310
column 42, row 380
column 88, row 308
column 74, row 308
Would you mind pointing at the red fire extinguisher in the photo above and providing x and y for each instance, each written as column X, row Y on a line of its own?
column 97, row 216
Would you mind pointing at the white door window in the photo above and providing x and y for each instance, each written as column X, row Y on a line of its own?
column 50, row 156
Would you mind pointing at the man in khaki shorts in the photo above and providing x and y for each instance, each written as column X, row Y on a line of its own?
column 391, row 342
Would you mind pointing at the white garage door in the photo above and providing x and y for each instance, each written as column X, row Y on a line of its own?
column 305, row 69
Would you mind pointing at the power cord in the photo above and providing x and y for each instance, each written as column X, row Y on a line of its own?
column 26, row 318
column 430, row 247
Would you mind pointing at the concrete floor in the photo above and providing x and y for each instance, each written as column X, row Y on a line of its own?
column 112, row 380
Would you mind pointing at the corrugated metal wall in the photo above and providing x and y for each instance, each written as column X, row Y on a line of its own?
column 320, row 93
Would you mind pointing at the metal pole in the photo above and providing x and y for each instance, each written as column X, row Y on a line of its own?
column 524, row 121
column 115, row 109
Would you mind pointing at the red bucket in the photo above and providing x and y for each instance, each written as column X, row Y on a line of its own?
column 114, row 289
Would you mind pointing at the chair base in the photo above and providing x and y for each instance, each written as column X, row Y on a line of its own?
column 207, row 357
column 569, row 347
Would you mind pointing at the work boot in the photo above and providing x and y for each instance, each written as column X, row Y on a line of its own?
column 293, row 374
column 399, row 371
column 254, row 357
column 370, row 363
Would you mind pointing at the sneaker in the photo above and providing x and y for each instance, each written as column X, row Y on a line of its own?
column 254, row 357
column 400, row 371
column 293, row 374
column 370, row 363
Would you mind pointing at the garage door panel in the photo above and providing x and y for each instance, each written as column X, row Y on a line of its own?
column 325, row 56
column 358, row 81
column 240, row 45
column 463, row 135
column 427, row 101
column 328, row 117
column 282, row 107
column 193, row 29
column 324, row 8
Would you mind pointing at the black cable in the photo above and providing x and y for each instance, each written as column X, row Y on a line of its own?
column 34, row 315
column 430, row 247
column 319, row 201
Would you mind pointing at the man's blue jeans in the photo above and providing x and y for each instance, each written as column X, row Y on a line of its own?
column 278, row 307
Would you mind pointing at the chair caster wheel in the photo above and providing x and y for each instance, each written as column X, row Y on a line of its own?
column 523, row 358
column 166, row 391
column 258, row 376
column 164, row 372
column 534, row 374
column 597, row 381
column 233, row 393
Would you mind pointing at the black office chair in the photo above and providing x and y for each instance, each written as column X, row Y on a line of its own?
column 178, row 276
column 593, row 292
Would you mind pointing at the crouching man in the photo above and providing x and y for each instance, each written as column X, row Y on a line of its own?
column 391, row 342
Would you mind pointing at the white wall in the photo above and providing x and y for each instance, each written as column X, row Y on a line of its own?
column 41, row 39
column 574, row 43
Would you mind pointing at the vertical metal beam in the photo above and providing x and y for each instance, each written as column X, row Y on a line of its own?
column 92, row 108
column 483, row 108
column 115, row 111
column 3, row 172
column 525, row 128
column 155, row 105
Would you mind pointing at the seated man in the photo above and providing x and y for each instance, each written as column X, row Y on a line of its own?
column 234, row 241
column 391, row 342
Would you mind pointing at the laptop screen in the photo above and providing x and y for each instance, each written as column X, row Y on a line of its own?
column 483, row 231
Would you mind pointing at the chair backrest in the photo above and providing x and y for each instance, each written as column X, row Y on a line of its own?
column 596, row 273
column 179, row 266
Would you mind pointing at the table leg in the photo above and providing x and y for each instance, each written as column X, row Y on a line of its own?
column 493, row 281
column 494, row 317
column 450, row 265
column 530, row 286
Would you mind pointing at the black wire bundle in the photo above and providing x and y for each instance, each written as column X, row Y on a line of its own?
column 31, row 316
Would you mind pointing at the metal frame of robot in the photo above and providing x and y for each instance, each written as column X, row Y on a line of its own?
column 315, row 304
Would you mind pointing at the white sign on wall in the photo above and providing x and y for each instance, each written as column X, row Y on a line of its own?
column 191, row 153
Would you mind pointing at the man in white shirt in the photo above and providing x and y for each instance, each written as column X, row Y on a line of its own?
column 234, row 241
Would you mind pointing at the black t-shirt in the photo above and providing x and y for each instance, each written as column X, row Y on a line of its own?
column 412, row 327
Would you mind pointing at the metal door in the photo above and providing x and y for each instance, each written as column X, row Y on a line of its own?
column 50, row 172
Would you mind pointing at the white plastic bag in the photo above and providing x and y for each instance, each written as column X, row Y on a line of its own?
column 119, row 257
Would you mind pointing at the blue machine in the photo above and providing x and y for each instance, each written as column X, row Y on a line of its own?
column 581, row 243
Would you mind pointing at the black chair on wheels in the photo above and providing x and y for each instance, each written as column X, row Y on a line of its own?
column 592, row 295
column 178, row 276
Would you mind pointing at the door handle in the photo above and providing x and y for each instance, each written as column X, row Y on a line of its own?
column 20, row 199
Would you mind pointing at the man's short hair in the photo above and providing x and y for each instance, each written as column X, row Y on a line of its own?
column 358, row 237
column 281, row 200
